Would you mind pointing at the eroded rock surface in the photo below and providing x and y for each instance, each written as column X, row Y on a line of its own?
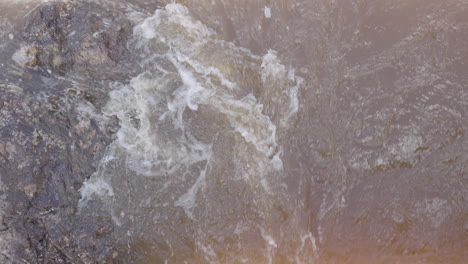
column 64, row 58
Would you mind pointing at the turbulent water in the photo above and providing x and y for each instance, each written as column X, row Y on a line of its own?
column 306, row 131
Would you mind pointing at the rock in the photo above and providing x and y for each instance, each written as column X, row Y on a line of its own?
column 79, row 38
column 48, row 145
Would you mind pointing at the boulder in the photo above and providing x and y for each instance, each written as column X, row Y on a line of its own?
column 49, row 145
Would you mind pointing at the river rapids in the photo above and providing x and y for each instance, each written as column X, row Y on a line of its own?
column 238, row 131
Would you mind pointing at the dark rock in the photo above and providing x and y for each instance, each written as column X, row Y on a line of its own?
column 79, row 38
column 48, row 147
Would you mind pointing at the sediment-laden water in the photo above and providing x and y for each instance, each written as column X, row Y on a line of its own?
column 222, row 131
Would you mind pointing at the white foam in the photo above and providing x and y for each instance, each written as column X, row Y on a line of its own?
column 272, row 67
column 22, row 56
column 302, row 249
column 247, row 119
column 269, row 239
column 182, row 73
column 281, row 81
column 150, row 154
column 187, row 201
column 245, row 115
column 94, row 187
column 436, row 210
column 294, row 91
column 191, row 92
column 173, row 15
column 267, row 12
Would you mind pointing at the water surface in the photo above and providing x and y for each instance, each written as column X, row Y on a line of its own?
column 306, row 131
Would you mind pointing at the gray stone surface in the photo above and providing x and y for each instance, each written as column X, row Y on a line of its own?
column 64, row 56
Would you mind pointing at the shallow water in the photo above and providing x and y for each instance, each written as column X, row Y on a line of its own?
column 308, row 131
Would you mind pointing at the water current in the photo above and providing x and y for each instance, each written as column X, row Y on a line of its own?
column 282, row 131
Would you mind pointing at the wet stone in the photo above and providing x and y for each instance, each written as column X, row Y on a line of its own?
column 46, row 151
